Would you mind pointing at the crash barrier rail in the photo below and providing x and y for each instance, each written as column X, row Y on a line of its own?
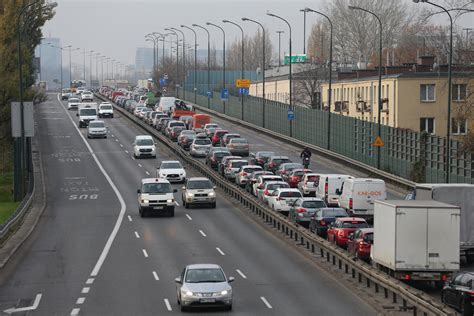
column 20, row 211
column 372, row 171
column 409, row 298
column 411, row 155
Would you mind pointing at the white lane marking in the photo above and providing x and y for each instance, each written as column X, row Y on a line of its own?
column 264, row 300
column 155, row 275
column 136, row 235
column 118, row 223
column 140, row 165
column 145, row 253
column 116, row 139
column 80, row 300
column 126, row 151
column 147, row 173
column 189, row 217
column 85, row 290
column 129, row 218
column 112, row 135
column 168, row 305
column 75, row 311
column 202, row 233
column 25, row 309
column 241, row 274
column 176, row 202
column 121, row 145
column 90, row 281
column 220, row 251
column 133, row 158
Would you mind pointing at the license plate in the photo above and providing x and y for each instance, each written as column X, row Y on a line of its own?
column 157, row 207
column 207, row 300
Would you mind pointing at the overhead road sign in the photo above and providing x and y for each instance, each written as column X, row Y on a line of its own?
column 242, row 83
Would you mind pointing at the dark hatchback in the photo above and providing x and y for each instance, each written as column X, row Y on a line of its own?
column 323, row 217
column 459, row 292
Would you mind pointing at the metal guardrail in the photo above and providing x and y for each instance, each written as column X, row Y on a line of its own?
column 388, row 177
column 21, row 209
column 408, row 297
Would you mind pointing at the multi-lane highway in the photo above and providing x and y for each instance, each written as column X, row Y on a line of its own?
column 92, row 254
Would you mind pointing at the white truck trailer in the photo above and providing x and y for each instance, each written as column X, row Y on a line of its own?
column 416, row 240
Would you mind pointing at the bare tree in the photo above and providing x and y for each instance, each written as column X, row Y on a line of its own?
column 253, row 52
column 307, row 84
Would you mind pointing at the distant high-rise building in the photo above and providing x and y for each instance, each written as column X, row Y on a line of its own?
column 50, row 63
column 144, row 59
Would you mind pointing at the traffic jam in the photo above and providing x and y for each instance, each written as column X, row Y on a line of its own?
column 419, row 239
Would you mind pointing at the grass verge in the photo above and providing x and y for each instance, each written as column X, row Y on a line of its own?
column 7, row 205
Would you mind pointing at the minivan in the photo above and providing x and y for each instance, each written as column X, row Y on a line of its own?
column 357, row 195
column 327, row 186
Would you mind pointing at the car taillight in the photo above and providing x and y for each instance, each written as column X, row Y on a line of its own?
column 272, row 164
column 322, row 222
column 340, row 233
column 260, row 186
column 244, row 174
column 407, row 277
column 301, row 210
column 351, row 203
column 326, row 188
column 444, row 277
column 266, row 192
column 284, row 172
column 260, row 160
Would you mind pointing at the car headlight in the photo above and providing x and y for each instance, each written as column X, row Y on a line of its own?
column 189, row 293
column 225, row 292
column 189, row 194
column 145, row 201
column 212, row 194
column 170, row 201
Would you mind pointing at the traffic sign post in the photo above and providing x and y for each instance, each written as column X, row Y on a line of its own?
column 242, row 83
column 209, row 94
column 291, row 115
column 225, row 95
column 243, row 91
column 378, row 142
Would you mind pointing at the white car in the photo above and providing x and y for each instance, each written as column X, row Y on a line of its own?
column 106, row 110
column 65, row 94
column 171, row 170
column 144, row 146
column 73, row 103
column 282, row 199
column 155, row 196
column 269, row 187
column 87, row 97
column 138, row 109
column 242, row 176
column 96, row 129
column 200, row 147
column 260, row 183
column 309, row 183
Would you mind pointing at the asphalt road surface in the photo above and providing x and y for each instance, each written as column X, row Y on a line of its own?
column 93, row 255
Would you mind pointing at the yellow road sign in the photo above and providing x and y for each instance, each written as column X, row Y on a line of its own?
column 378, row 142
column 242, row 83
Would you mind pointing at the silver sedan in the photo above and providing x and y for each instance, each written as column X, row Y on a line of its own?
column 204, row 285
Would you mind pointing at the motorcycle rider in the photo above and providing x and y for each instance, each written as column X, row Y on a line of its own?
column 306, row 156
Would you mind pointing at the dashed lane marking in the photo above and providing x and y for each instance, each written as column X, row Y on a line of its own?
column 189, row 217
column 85, row 290
column 264, row 300
column 75, row 311
column 129, row 218
column 155, row 275
column 220, row 251
column 168, row 305
column 202, row 233
column 90, row 281
column 241, row 274
column 145, row 253
column 136, row 235
column 80, row 300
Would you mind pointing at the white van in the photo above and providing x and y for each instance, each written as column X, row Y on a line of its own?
column 357, row 195
column 87, row 112
column 327, row 186
column 165, row 105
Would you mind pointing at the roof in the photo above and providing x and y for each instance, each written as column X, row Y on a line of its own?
column 350, row 219
column 143, row 136
column 166, row 161
column 406, row 75
column 198, row 179
column 416, row 204
column 312, row 199
column 203, row 266
column 154, row 180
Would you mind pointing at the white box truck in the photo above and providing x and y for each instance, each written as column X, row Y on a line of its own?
column 416, row 240
column 458, row 194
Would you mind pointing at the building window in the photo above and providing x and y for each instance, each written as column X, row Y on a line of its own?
column 459, row 92
column 427, row 124
column 427, row 92
column 458, row 127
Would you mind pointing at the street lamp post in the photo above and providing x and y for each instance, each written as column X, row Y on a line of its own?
column 177, row 59
column 289, row 64
column 242, row 69
column 279, row 47
column 305, row 10
column 448, row 132
column 150, row 38
column 330, row 76
column 379, row 88
column 208, row 64
column 183, row 57
column 195, row 60
column 223, row 57
column 263, row 68
column 90, row 67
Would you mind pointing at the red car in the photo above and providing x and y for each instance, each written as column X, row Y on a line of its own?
column 360, row 242
column 294, row 176
column 216, row 138
column 339, row 231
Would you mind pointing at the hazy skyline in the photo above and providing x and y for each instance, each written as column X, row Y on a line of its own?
column 115, row 28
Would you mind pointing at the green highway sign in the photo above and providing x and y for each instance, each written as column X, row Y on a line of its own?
column 298, row 58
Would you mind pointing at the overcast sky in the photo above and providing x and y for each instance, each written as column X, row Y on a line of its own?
column 115, row 28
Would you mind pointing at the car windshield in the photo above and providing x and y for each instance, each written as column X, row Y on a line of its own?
column 274, row 186
column 238, row 164
column 145, row 142
column 238, row 141
column 202, row 141
column 292, row 194
column 204, row 275
column 280, row 161
column 221, row 154
column 96, row 124
column 313, row 204
column 355, row 224
column 106, row 107
column 199, row 184
column 156, row 188
column 312, row 178
column 73, row 100
column 88, row 112
column 171, row 165
column 188, row 132
column 264, row 154
column 292, row 166
column 298, row 173
column 252, row 169
column 172, row 124
column 334, row 213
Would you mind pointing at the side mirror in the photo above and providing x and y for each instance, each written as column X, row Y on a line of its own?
column 231, row 279
column 77, row 114
column 175, row 190
column 214, row 187
column 139, row 191
column 178, row 280
column 338, row 192
column 183, row 188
